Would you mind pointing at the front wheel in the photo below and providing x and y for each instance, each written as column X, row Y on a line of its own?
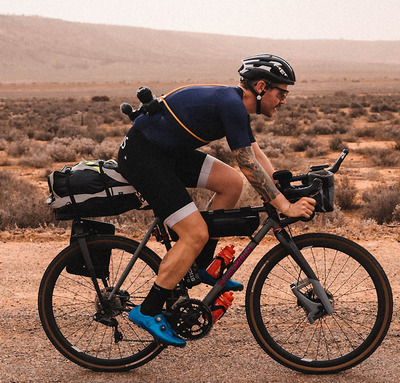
column 355, row 284
column 71, row 314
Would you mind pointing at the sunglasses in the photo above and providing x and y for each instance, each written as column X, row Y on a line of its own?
column 283, row 93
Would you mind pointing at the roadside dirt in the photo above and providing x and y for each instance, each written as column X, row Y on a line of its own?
column 228, row 354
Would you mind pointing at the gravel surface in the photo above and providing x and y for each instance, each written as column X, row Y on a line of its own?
column 228, row 354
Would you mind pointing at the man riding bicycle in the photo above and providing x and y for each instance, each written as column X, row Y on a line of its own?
column 159, row 157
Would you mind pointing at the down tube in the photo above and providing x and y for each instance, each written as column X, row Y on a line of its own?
column 216, row 291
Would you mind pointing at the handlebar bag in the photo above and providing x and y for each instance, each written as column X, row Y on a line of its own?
column 327, row 193
column 90, row 189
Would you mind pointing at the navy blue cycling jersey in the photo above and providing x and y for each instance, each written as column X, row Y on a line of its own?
column 209, row 112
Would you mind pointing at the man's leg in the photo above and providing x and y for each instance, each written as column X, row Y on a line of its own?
column 193, row 235
column 227, row 184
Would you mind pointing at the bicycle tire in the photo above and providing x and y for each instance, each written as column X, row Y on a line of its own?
column 68, row 302
column 357, row 287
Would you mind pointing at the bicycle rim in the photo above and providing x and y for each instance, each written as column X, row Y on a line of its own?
column 355, row 284
column 68, row 304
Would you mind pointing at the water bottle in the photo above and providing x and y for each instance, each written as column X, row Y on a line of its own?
column 221, row 261
column 222, row 304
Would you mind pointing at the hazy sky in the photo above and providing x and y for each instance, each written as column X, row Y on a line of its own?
column 283, row 19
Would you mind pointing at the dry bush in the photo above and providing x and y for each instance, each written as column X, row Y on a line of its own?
column 381, row 156
column 100, row 98
column 19, row 148
column 304, row 143
column 22, row 205
column 60, row 150
column 38, row 159
column 336, row 143
column 272, row 146
column 106, row 150
column 345, row 194
column 285, row 127
column 380, row 203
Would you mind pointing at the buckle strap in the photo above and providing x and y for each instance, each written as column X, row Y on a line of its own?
column 162, row 98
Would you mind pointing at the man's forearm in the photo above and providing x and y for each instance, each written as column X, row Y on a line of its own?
column 255, row 173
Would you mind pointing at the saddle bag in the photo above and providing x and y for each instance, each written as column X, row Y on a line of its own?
column 90, row 189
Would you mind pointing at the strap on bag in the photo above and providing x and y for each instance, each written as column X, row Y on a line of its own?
column 162, row 98
column 103, row 178
column 69, row 189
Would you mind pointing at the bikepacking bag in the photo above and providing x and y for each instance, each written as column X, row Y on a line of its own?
column 90, row 189
column 241, row 222
column 100, row 256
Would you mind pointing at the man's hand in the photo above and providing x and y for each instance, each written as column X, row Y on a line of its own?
column 304, row 207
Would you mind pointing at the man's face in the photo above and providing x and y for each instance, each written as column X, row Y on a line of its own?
column 273, row 98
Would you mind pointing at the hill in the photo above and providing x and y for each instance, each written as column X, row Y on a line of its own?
column 36, row 49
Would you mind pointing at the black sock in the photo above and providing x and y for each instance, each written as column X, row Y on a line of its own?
column 154, row 302
column 206, row 255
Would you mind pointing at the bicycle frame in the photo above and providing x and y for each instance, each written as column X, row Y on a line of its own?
column 272, row 222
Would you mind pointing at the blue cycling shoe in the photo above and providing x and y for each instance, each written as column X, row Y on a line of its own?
column 209, row 280
column 156, row 326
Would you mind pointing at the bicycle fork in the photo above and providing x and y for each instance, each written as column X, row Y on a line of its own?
column 312, row 308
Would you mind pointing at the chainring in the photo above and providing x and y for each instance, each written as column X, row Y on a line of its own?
column 190, row 318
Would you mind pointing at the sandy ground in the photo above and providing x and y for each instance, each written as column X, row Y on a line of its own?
column 228, row 354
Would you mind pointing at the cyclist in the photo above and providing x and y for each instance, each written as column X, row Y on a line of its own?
column 159, row 157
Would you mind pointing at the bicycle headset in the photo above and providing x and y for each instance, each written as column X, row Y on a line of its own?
column 273, row 69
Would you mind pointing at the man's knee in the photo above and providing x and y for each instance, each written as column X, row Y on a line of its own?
column 193, row 231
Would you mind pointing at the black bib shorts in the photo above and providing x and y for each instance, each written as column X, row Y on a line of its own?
column 162, row 177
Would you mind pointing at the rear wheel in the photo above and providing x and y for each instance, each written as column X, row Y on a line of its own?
column 356, row 286
column 76, row 323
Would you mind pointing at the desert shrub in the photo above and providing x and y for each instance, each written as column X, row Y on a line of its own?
column 325, row 127
column 285, row 127
column 384, row 107
column 60, row 150
column 357, row 111
column 22, row 204
column 303, row 143
column 336, row 143
column 37, row 159
column 317, row 151
column 100, row 98
column 345, row 193
column 272, row 146
column 381, row 156
column 380, row 203
column 106, row 150
column 19, row 148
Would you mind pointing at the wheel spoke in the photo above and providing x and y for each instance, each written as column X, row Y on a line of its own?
column 352, row 283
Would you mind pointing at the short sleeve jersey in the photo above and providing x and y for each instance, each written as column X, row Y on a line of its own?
column 209, row 112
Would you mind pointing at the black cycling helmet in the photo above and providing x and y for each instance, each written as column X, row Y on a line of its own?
column 269, row 67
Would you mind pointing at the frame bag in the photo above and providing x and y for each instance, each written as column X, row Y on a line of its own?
column 91, row 189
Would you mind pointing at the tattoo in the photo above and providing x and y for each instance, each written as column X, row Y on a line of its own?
column 255, row 173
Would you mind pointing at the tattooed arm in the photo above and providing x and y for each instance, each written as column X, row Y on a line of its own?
column 265, row 186
column 256, row 174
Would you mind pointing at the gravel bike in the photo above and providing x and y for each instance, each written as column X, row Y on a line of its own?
column 316, row 303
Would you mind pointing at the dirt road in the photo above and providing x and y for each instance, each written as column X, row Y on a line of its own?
column 228, row 354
